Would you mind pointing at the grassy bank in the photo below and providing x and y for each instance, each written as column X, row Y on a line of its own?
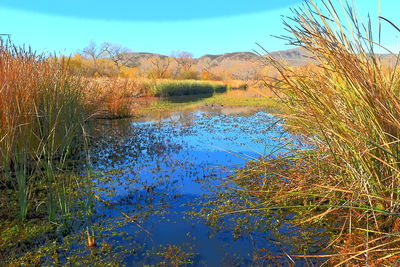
column 347, row 110
column 259, row 97
column 185, row 103
column 188, row 87
column 115, row 98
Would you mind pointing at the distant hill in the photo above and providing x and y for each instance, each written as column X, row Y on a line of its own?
column 135, row 59
column 389, row 59
column 241, row 56
column 241, row 64
column 295, row 57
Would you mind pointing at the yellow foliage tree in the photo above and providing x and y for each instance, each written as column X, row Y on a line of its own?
column 128, row 72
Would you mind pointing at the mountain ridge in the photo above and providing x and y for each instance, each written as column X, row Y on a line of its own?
column 295, row 56
column 241, row 64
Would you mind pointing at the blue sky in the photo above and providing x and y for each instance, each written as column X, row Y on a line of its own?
column 160, row 26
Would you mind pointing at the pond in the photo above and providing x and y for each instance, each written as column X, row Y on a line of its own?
column 168, row 174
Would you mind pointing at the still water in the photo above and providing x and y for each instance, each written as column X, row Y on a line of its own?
column 168, row 175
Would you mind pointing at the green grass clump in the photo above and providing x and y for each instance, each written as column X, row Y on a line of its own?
column 184, row 88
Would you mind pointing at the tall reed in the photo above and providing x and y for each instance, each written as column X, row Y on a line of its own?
column 348, row 107
column 114, row 97
column 41, row 118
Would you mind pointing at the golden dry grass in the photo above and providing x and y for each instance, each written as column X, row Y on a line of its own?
column 347, row 107
column 114, row 97
column 42, row 118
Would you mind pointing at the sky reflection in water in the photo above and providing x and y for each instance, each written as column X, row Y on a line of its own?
column 169, row 168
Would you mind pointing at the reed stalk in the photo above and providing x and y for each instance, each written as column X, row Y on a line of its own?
column 347, row 106
column 41, row 117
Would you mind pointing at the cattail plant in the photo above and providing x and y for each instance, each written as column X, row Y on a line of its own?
column 42, row 112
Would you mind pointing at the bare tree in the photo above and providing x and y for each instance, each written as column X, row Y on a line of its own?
column 93, row 51
column 205, row 66
column 184, row 62
column 160, row 67
column 107, row 50
column 117, row 53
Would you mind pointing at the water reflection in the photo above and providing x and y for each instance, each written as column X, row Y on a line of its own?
column 166, row 174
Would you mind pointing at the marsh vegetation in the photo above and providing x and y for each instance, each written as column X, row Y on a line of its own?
column 103, row 163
